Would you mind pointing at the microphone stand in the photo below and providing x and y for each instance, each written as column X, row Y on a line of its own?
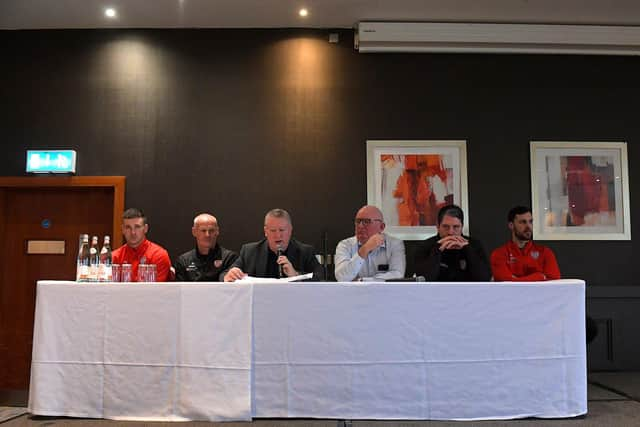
column 325, row 255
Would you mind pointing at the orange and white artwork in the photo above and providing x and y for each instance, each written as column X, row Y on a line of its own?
column 411, row 180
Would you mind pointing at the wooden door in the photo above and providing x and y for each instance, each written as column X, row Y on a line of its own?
column 56, row 215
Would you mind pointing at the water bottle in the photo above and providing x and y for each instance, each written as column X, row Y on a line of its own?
column 105, row 272
column 94, row 259
column 82, row 269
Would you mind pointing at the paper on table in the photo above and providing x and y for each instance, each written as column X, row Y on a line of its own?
column 271, row 280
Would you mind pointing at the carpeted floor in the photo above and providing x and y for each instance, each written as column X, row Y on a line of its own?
column 9, row 412
column 614, row 400
column 624, row 383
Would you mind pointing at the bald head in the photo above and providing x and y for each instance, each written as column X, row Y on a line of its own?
column 204, row 218
column 205, row 230
column 368, row 221
column 370, row 211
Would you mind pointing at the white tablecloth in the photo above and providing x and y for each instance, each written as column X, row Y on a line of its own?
column 353, row 351
column 152, row 352
column 436, row 351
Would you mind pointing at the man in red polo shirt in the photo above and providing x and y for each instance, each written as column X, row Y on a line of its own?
column 522, row 260
column 138, row 249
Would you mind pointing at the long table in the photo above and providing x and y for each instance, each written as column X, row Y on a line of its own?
column 309, row 350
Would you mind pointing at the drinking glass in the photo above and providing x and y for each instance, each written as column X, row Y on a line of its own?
column 116, row 272
column 126, row 273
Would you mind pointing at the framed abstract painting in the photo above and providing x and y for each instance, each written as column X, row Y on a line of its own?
column 411, row 180
column 580, row 190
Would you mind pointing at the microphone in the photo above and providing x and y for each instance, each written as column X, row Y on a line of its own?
column 279, row 252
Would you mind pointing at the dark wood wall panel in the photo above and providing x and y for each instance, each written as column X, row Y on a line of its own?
column 240, row 121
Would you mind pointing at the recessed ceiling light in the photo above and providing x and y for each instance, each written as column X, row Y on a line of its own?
column 303, row 12
column 110, row 12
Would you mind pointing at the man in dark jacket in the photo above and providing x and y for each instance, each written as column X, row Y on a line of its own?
column 277, row 255
column 449, row 256
column 208, row 260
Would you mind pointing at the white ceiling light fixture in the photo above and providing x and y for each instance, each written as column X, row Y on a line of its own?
column 110, row 12
column 497, row 38
column 303, row 12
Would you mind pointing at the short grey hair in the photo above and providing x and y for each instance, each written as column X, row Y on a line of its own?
column 278, row 213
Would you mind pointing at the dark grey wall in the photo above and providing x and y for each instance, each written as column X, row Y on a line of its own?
column 615, row 311
column 236, row 122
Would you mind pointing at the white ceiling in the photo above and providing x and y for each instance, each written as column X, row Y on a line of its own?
column 41, row 14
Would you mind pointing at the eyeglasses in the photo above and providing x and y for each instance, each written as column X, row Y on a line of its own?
column 366, row 221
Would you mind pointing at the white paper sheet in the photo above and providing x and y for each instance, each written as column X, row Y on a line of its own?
column 251, row 279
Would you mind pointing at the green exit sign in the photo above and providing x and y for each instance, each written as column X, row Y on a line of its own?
column 51, row 161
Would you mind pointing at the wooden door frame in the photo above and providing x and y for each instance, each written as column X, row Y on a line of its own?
column 115, row 182
column 66, row 184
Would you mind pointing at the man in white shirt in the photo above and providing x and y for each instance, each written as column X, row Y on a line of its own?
column 370, row 255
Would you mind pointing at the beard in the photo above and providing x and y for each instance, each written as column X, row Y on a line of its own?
column 525, row 235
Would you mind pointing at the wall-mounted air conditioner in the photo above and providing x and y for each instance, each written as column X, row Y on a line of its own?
column 497, row 38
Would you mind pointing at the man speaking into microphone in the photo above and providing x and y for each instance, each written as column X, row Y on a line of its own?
column 277, row 255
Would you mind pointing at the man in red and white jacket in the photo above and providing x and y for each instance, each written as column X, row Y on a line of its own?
column 522, row 260
column 138, row 250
